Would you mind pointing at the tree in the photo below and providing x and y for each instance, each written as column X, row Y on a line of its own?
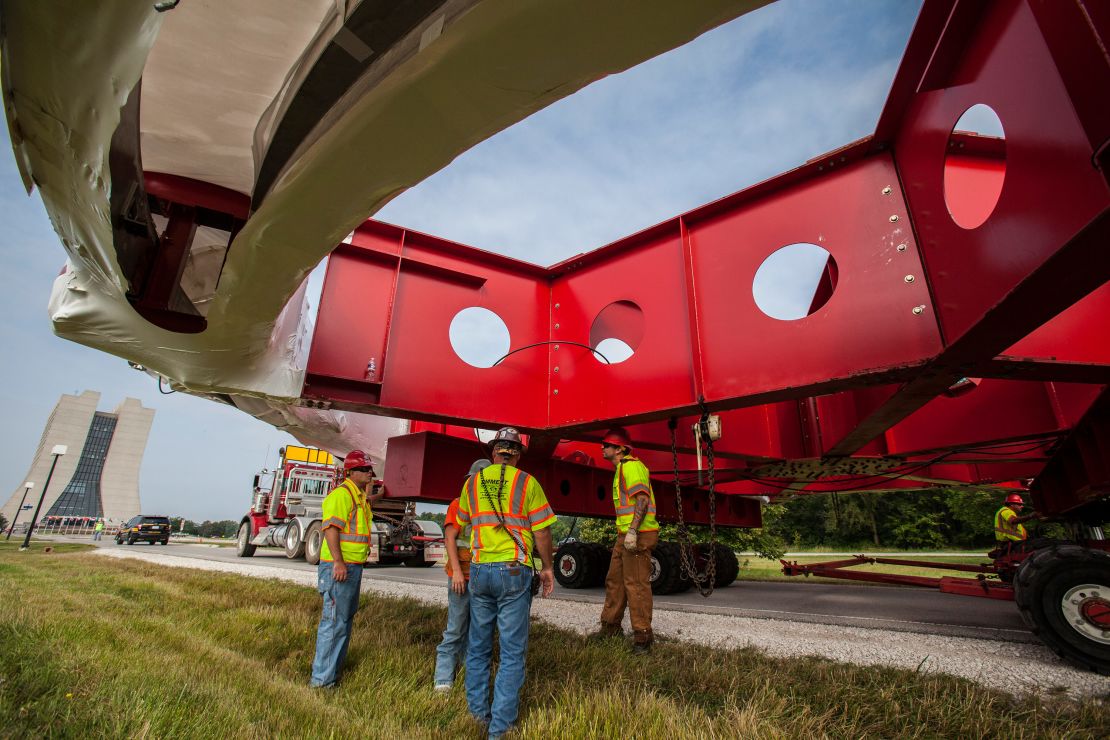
column 3, row 523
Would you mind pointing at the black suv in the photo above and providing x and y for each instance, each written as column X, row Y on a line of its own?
column 144, row 528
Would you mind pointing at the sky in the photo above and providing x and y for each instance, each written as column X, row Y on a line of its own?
column 736, row 106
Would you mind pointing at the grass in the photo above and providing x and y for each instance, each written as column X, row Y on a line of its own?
column 93, row 647
column 761, row 569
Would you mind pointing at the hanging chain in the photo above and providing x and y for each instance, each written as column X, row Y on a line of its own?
column 688, row 566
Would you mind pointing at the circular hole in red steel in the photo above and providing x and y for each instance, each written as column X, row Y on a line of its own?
column 617, row 331
column 974, row 166
column 479, row 336
column 795, row 281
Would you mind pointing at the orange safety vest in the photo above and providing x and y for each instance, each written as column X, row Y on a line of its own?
column 354, row 531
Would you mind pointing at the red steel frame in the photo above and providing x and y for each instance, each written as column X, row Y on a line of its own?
column 869, row 392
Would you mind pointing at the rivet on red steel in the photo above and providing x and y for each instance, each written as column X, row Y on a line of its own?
column 909, row 278
column 894, row 218
column 918, row 310
column 901, row 247
column 556, row 326
column 887, row 190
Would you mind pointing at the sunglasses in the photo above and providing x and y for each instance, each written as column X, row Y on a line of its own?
column 362, row 470
column 610, row 444
column 507, row 449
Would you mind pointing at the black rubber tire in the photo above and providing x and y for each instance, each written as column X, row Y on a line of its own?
column 418, row 561
column 243, row 546
column 294, row 543
column 131, row 540
column 728, row 567
column 165, row 542
column 572, row 565
column 599, row 556
column 313, row 543
column 1040, row 586
column 664, row 572
column 119, row 541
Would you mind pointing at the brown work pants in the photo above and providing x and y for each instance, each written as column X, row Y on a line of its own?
column 629, row 584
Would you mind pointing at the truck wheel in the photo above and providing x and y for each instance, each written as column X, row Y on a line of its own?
column 294, row 543
column 1063, row 593
column 313, row 542
column 728, row 567
column 664, row 568
column 243, row 546
column 131, row 540
column 572, row 565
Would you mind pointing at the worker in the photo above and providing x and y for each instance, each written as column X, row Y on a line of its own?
column 452, row 650
column 1008, row 522
column 98, row 530
column 509, row 518
column 628, row 582
column 347, row 514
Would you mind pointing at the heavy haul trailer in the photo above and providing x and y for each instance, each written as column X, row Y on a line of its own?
column 956, row 339
column 287, row 506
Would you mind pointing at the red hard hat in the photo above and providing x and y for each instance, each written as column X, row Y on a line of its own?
column 357, row 459
column 1015, row 498
column 617, row 436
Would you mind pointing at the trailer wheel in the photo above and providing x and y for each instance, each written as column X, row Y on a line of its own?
column 664, row 568
column 294, row 543
column 1063, row 593
column 599, row 556
column 728, row 567
column 243, row 546
column 572, row 565
column 313, row 542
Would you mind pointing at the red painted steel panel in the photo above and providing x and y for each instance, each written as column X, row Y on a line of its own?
column 1050, row 191
column 659, row 373
column 423, row 374
column 867, row 324
column 1079, row 334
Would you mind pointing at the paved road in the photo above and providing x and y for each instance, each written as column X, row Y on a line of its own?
column 904, row 609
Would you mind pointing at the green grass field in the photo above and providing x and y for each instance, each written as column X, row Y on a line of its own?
column 93, row 647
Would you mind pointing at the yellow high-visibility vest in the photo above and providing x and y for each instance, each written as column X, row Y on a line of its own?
column 347, row 509
column 494, row 508
column 1006, row 530
column 630, row 480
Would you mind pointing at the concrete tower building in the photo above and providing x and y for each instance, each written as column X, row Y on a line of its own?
column 99, row 474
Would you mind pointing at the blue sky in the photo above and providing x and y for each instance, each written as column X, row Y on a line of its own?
column 738, row 105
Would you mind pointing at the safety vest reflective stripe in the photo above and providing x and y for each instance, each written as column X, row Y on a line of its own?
column 491, row 520
column 334, row 522
column 354, row 535
column 512, row 519
column 625, row 496
column 343, row 537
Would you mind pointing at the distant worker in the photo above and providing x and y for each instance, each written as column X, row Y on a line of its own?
column 1008, row 522
column 452, row 650
column 346, row 521
column 508, row 514
column 629, row 580
column 98, row 530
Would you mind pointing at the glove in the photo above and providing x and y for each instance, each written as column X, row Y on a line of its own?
column 630, row 540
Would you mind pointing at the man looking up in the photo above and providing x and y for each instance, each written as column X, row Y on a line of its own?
column 629, row 579
column 346, row 522
column 508, row 514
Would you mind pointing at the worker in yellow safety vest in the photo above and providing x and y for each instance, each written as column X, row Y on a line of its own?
column 1008, row 522
column 629, row 580
column 346, row 522
column 509, row 520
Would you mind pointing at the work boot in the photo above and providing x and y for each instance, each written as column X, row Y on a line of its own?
column 605, row 632
column 641, row 642
column 641, row 648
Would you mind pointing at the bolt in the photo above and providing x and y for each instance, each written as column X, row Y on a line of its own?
column 901, row 247
column 556, row 391
column 556, row 368
column 1075, row 601
column 918, row 310
column 894, row 218
column 887, row 190
column 556, row 305
column 909, row 278
column 556, row 326
column 556, row 346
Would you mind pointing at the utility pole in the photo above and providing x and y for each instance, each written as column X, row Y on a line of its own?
column 57, row 452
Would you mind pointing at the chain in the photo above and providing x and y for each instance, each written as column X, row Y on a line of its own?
column 688, row 567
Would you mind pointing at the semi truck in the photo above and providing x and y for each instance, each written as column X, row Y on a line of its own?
column 286, row 512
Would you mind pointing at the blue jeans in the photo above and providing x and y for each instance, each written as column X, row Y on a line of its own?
column 334, row 634
column 501, row 595
column 452, row 651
